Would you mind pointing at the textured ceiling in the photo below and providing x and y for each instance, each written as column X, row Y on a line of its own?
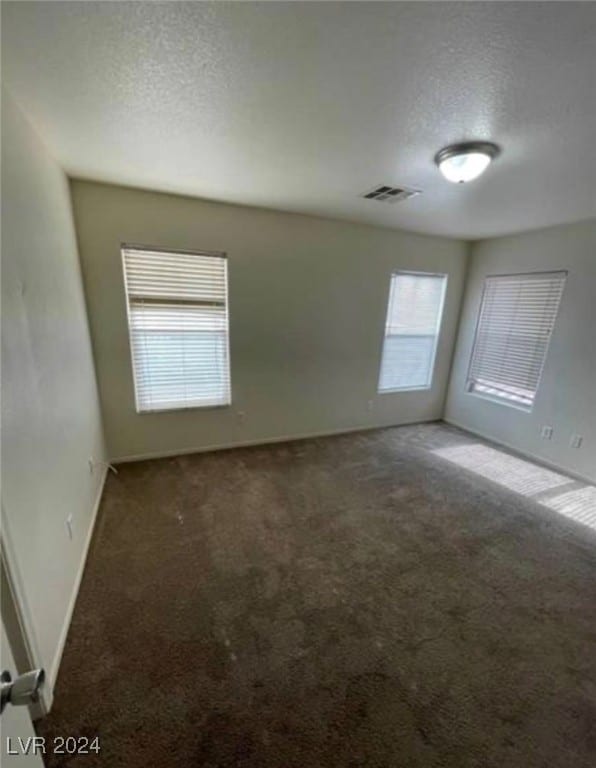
column 304, row 106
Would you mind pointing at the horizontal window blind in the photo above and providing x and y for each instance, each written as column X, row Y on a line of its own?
column 517, row 316
column 178, row 324
column 411, row 330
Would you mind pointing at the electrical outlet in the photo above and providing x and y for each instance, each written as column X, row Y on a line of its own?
column 91, row 462
column 69, row 526
column 241, row 415
column 546, row 432
column 576, row 441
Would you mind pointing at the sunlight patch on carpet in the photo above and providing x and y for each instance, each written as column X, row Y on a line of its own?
column 578, row 505
column 525, row 478
column 513, row 473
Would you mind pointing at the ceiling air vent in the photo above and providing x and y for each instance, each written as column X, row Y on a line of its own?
column 386, row 194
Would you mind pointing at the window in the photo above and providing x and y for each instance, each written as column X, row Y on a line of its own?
column 411, row 330
column 178, row 325
column 516, row 319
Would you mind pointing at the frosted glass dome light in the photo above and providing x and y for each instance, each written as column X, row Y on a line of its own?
column 464, row 162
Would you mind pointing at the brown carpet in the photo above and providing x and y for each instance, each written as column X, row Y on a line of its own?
column 350, row 601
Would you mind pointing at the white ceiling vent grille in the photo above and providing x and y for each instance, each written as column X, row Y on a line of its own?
column 383, row 193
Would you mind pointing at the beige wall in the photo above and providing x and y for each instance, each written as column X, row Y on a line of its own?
column 50, row 409
column 566, row 397
column 307, row 310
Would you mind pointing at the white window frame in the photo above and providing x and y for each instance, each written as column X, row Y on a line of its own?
column 156, row 249
column 469, row 381
column 395, row 274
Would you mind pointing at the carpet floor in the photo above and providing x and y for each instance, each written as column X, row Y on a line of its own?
column 408, row 597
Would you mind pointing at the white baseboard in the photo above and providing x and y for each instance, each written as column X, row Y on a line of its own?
column 524, row 454
column 75, row 590
column 263, row 441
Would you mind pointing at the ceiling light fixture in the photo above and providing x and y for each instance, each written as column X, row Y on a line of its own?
column 464, row 162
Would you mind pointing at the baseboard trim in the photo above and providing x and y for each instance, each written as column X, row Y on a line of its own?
column 53, row 675
column 523, row 454
column 264, row 441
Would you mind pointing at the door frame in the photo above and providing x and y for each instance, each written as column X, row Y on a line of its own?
column 16, row 616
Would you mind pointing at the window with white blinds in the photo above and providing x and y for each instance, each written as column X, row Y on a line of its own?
column 411, row 330
column 178, row 324
column 516, row 319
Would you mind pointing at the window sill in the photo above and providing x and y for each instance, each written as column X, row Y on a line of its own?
column 177, row 408
column 501, row 401
column 403, row 389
